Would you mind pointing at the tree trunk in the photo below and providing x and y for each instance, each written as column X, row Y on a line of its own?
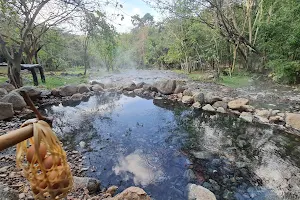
column 14, row 74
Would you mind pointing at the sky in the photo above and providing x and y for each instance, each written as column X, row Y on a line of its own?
column 130, row 8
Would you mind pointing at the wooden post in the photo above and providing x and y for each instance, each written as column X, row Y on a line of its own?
column 14, row 137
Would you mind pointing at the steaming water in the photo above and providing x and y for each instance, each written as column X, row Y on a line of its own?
column 161, row 147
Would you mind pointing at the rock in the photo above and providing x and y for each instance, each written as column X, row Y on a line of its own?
column 262, row 113
column 201, row 154
column 32, row 91
column 246, row 116
column 22, row 196
column 112, row 190
column 97, row 83
column 82, row 144
column 187, row 92
column 93, row 185
column 166, row 87
column 208, row 107
column 221, row 110
column 187, row 99
column 140, row 85
column 211, row 98
column 45, row 93
column 4, row 169
column 197, row 192
column 227, row 99
column 55, row 92
column 6, row 110
column 132, row 193
column 97, row 88
column 15, row 99
column 197, row 105
column 130, row 86
column 7, row 193
column 293, row 120
column 274, row 112
column 76, row 97
column 262, row 119
column 190, row 175
column 276, row 119
column 2, row 92
column 82, row 88
column 68, row 90
column 237, row 103
column 199, row 96
column 138, row 91
column 8, row 87
column 247, row 108
column 178, row 89
column 220, row 104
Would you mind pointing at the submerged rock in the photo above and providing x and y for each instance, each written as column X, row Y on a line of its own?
column 237, row 104
column 6, row 110
column 293, row 120
column 15, row 99
column 197, row 192
column 166, row 87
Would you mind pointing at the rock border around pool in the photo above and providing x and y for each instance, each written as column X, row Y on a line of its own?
column 12, row 103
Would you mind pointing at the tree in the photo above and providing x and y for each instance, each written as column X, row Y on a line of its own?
column 28, row 24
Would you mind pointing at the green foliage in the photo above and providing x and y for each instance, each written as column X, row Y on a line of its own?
column 285, row 71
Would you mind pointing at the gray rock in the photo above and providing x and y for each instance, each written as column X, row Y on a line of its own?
column 262, row 113
column 97, row 88
column 276, row 119
column 237, row 103
column 6, row 110
column 45, row 93
column 32, row 91
column 131, row 193
column 130, row 86
column 220, row 104
column 274, row 112
column 7, row 193
column 76, row 97
column 68, row 90
column 83, row 88
column 138, row 91
column 166, row 87
column 201, row 154
column 199, row 96
column 208, row 107
column 262, row 119
column 211, row 98
column 15, row 99
column 190, row 175
column 179, row 89
column 246, row 116
column 247, row 108
column 221, row 110
column 140, row 85
column 97, row 83
column 227, row 99
column 187, row 92
column 2, row 92
column 8, row 87
column 187, row 99
column 197, row 192
column 93, row 185
column 82, row 144
column 55, row 92
column 293, row 120
column 197, row 105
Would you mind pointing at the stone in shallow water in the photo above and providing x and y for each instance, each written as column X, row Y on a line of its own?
column 197, row 105
column 197, row 192
column 246, row 116
column 201, row 154
column 293, row 120
column 187, row 99
column 190, row 175
column 166, row 87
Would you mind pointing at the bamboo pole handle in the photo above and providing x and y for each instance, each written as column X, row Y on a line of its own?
column 16, row 136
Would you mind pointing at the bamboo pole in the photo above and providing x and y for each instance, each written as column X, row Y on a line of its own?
column 16, row 136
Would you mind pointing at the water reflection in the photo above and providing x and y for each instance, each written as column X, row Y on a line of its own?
column 163, row 147
column 141, row 166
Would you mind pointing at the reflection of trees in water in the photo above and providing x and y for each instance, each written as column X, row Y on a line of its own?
column 236, row 152
column 75, row 124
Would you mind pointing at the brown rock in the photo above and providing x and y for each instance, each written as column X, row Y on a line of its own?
column 237, row 103
column 187, row 99
column 293, row 120
column 112, row 190
column 132, row 193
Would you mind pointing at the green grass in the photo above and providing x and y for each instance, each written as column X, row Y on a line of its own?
column 235, row 81
column 58, row 81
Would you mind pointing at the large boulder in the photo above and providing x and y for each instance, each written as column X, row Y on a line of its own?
column 55, row 92
column 97, row 88
column 83, row 88
column 76, row 97
column 2, row 92
column 130, row 86
column 15, row 99
column 237, row 104
column 97, row 83
column 93, row 185
column 293, row 120
column 199, row 97
column 6, row 110
column 197, row 192
column 188, row 92
column 211, row 98
column 179, row 89
column 8, row 87
column 132, row 193
column 166, row 87
column 68, row 90
column 140, row 85
column 7, row 193
column 32, row 91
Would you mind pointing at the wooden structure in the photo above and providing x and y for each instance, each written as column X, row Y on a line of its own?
column 32, row 68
